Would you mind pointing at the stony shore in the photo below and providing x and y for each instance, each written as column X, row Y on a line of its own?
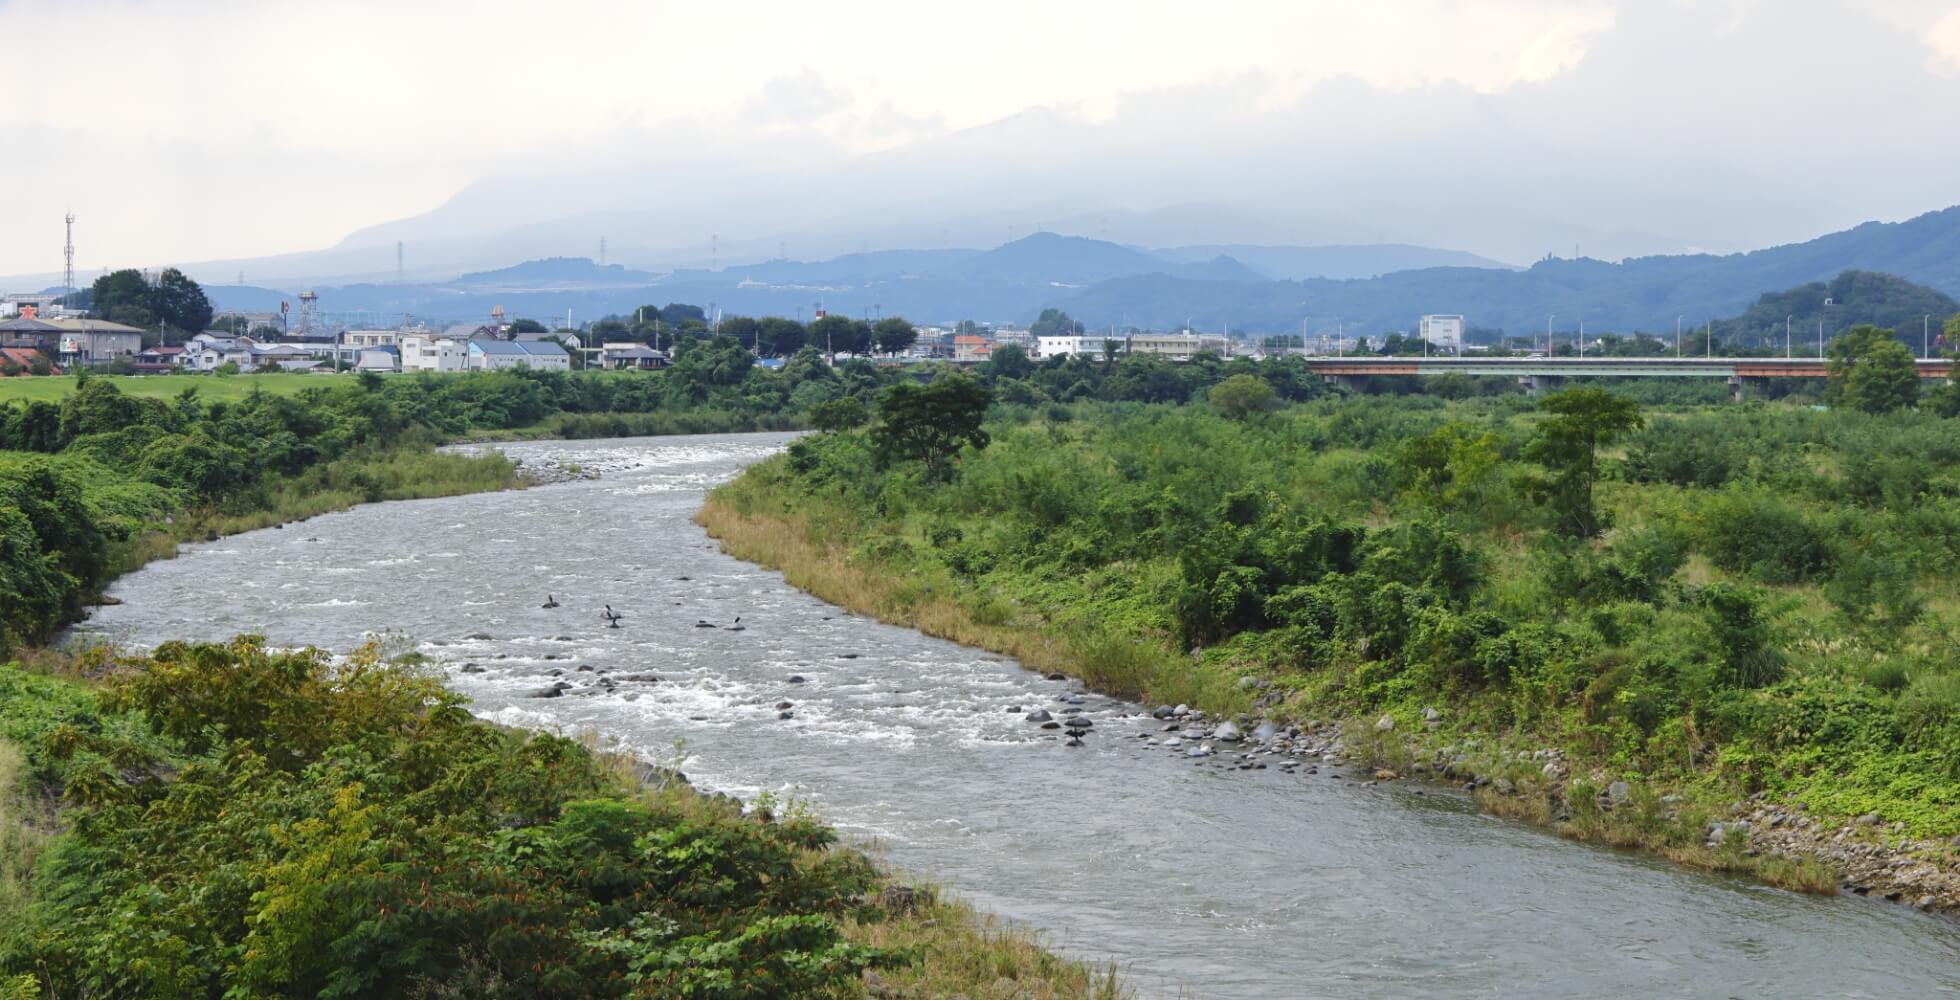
column 1870, row 857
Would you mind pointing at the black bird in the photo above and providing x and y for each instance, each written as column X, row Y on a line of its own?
column 549, row 602
column 612, row 616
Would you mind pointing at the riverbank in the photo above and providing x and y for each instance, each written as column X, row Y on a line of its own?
column 832, row 549
column 774, row 898
column 955, row 949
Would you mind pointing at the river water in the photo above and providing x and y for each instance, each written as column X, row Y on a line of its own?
column 1195, row 879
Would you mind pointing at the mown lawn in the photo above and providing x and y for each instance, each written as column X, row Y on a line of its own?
column 216, row 387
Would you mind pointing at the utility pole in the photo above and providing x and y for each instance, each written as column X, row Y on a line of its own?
column 1548, row 334
column 1786, row 337
column 1677, row 335
column 1710, row 334
column 1925, row 337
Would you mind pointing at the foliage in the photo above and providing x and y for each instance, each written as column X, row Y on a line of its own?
column 1871, row 371
column 1242, row 396
column 931, row 424
column 1567, row 445
column 375, row 840
column 1763, row 614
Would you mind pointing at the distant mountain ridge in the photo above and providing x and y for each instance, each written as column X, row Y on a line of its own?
column 1104, row 283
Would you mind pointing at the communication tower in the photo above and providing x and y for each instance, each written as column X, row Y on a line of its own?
column 497, row 319
column 309, row 311
column 68, row 270
column 398, row 262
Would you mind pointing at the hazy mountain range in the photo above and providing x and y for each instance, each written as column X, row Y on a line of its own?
column 1370, row 289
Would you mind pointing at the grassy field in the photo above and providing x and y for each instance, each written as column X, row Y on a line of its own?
column 54, row 388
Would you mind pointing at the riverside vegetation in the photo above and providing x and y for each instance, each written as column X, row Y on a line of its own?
column 1629, row 620
column 233, row 820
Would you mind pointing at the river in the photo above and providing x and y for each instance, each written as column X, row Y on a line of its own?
column 1196, row 880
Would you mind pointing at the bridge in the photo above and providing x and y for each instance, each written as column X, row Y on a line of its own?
column 1538, row 374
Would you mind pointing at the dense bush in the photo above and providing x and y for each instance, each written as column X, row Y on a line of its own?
column 248, row 822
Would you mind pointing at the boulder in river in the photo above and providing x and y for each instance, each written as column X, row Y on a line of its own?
column 1058, row 677
column 471, row 668
column 1039, row 715
column 1265, row 732
column 781, row 705
column 1227, row 731
column 785, row 715
column 796, row 679
column 1162, row 712
column 550, row 692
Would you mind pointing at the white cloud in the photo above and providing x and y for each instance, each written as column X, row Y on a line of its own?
column 220, row 128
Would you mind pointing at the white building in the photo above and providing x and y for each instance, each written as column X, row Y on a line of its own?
column 1049, row 347
column 428, row 352
column 1444, row 331
column 210, row 351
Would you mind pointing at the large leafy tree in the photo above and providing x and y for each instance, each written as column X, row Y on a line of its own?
column 179, row 303
column 931, row 423
column 122, row 297
column 894, row 334
column 1054, row 322
column 1872, row 371
column 833, row 333
column 1242, row 396
column 781, row 337
column 1567, row 445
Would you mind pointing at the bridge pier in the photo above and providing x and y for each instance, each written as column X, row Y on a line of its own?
column 1351, row 383
column 1536, row 385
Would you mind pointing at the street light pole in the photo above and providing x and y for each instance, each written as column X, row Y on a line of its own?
column 1677, row 335
column 1786, row 336
column 1548, row 334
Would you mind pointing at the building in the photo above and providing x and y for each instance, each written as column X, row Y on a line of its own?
column 84, row 342
column 429, row 352
column 211, row 351
column 631, row 355
column 1443, row 331
column 385, row 358
column 969, row 348
column 288, row 357
column 1048, row 347
column 495, row 355
column 156, row 360
column 1176, row 345
column 25, row 358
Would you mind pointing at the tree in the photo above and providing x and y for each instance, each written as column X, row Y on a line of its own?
column 1053, row 323
column 834, row 415
column 1008, row 361
column 1567, row 445
column 526, row 326
column 832, row 334
column 781, row 337
column 743, row 329
column 124, row 289
column 894, row 334
column 1242, row 396
column 931, row 423
column 178, row 302
column 1871, row 371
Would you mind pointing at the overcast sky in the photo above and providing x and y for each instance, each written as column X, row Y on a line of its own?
column 191, row 130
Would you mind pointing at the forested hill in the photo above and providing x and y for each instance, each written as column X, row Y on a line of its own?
column 1911, row 310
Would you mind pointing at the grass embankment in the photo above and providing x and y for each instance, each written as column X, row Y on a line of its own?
column 1749, row 626
column 228, row 819
column 222, row 388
